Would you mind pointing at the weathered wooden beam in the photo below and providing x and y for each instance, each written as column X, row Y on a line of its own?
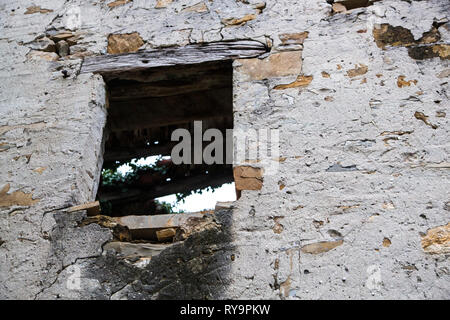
column 93, row 208
column 175, row 186
column 133, row 90
column 190, row 54
column 160, row 221
column 157, row 112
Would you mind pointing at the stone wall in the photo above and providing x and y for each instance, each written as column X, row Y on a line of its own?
column 359, row 206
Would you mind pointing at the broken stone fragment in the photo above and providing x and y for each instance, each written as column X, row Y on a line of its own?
column 124, row 43
column 63, row 48
column 43, row 44
column 437, row 240
column 424, row 48
column 320, row 247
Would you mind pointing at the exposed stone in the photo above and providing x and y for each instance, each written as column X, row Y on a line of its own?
column 431, row 36
column 401, row 82
column 357, row 71
column 278, row 228
column 5, row 146
column 276, row 65
column 339, row 8
column 39, row 170
column 393, row 36
column 421, row 116
column 162, row 3
column 321, row 247
column 248, row 178
column 444, row 73
column 397, row 133
column 43, row 44
column 424, row 48
column 386, row 242
column 427, row 52
column 301, row 81
column 437, row 240
column 447, row 206
column 238, row 21
column 17, row 198
column 259, row 7
column 337, row 167
column 37, row 9
column 443, row 50
column 61, row 36
column 293, row 38
column 199, row 8
column 124, row 43
column 38, row 55
column 63, row 48
column 118, row 3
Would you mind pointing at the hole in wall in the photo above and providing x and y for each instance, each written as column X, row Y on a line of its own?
column 142, row 187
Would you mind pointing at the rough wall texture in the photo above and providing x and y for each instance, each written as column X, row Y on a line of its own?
column 359, row 207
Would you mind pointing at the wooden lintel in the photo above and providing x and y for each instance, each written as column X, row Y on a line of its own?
column 157, row 222
column 93, row 208
column 172, row 56
column 176, row 186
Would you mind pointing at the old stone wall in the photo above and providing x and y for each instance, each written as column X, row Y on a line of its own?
column 358, row 207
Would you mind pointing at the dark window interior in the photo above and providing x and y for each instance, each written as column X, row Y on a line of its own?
column 144, row 108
